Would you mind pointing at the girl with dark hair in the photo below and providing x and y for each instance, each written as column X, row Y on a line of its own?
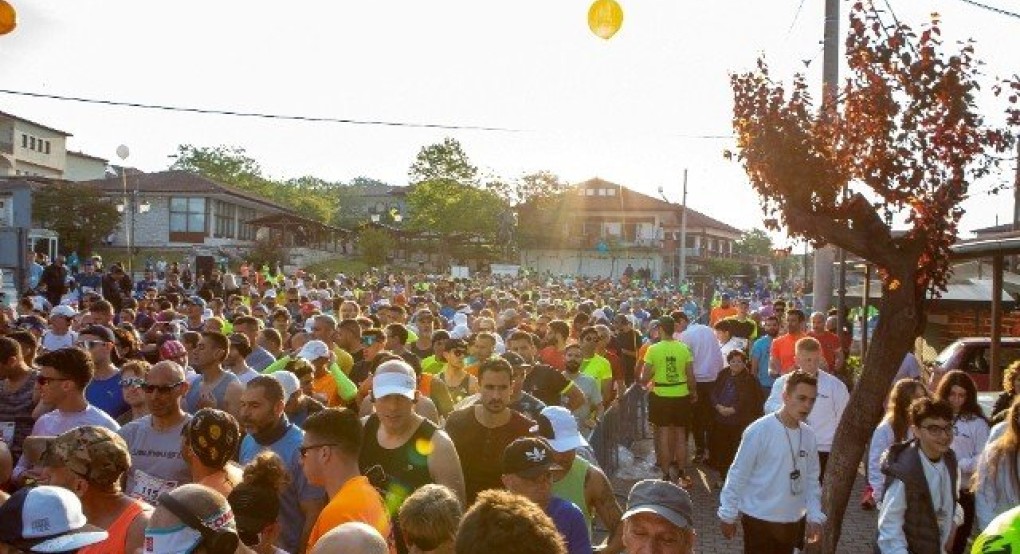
column 970, row 433
column 997, row 479
column 894, row 428
column 256, row 502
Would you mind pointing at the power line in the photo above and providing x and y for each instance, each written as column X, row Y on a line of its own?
column 305, row 118
column 993, row 9
column 796, row 15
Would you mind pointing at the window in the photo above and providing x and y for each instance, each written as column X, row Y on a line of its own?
column 245, row 231
column 601, row 192
column 187, row 215
column 591, row 192
column 31, row 143
column 47, row 147
column 610, row 192
column 226, row 220
column 24, row 140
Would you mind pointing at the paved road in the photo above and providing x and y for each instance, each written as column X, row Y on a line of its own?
column 858, row 535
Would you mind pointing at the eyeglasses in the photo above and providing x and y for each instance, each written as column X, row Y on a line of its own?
column 304, row 449
column 165, row 389
column 938, row 429
column 132, row 382
column 90, row 344
column 43, row 380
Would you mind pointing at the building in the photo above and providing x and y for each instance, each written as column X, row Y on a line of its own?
column 379, row 202
column 32, row 149
column 598, row 228
column 179, row 209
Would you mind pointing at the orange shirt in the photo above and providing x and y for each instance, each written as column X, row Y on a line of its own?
column 357, row 500
column 721, row 313
column 830, row 344
column 117, row 533
column 326, row 386
column 472, row 369
column 783, row 352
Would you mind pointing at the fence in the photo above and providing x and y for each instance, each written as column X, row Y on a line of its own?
column 622, row 424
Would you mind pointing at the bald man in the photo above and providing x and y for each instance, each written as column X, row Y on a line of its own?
column 352, row 537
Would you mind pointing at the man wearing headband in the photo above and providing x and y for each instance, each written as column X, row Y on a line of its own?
column 195, row 519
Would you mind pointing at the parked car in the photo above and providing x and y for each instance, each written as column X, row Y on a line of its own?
column 973, row 355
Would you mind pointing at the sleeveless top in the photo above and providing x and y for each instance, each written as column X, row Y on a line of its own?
column 571, row 487
column 459, row 391
column 116, row 541
column 219, row 392
column 406, row 466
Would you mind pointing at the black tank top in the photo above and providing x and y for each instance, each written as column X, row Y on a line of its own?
column 406, row 466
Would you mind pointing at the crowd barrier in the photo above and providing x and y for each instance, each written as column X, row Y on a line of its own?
column 622, row 424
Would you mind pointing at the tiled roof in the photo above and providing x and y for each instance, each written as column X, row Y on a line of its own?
column 180, row 182
column 37, row 124
column 86, row 156
column 625, row 199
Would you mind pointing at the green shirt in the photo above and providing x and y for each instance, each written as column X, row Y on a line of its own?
column 597, row 368
column 669, row 359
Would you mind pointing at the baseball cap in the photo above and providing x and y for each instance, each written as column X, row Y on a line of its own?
column 95, row 453
column 63, row 310
column 172, row 349
column 104, row 333
column 528, row 457
column 385, row 383
column 288, row 381
column 515, row 360
column 654, row 496
column 313, row 350
column 46, row 519
column 559, row 428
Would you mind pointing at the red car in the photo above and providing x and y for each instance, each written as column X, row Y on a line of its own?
column 973, row 355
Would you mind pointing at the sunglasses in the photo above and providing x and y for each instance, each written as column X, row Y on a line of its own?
column 132, row 382
column 43, row 380
column 90, row 344
column 304, row 449
column 161, row 388
column 591, row 338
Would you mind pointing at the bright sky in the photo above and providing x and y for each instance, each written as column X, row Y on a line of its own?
column 627, row 110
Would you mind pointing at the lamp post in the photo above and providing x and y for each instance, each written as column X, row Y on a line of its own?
column 682, row 277
column 129, row 207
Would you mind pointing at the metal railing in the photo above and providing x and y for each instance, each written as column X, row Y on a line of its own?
column 623, row 423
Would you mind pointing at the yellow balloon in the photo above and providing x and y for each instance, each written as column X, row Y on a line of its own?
column 8, row 17
column 605, row 17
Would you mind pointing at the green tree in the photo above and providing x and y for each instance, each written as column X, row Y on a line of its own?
column 446, row 207
column 904, row 131
column 755, row 242
column 532, row 187
column 225, row 164
column 80, row 214
column 446, row 160
column 722, row 267
column 374, row 245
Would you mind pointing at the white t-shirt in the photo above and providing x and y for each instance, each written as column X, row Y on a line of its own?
column 708, row 358
column 56, row 422
column 52, row 341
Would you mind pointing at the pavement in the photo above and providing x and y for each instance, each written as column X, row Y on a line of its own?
column 859, row 526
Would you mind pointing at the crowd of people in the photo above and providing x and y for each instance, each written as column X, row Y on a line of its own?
column 258, row 412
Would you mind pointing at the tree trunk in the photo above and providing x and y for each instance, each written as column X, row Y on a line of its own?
column 900, row 321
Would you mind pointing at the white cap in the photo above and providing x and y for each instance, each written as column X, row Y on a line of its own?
column 288, row 381
column 270, row 293
column 313, row 350
column 63, row 310
column 385, row 383
column 55, row 515
column 565, row 436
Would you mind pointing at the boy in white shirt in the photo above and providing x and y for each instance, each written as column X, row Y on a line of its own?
column 831, row 401
column 773, row 481
column 919, row 510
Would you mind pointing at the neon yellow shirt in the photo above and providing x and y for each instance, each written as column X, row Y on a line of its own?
column 669, row 359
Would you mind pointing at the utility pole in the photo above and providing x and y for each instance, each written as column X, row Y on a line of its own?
column 825, row 257
column 683, row 233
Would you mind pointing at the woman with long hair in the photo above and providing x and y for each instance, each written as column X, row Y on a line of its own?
column 970, row 433
column 1010, row 382
column 895, row 427
column 256, row 502
column 997, row 479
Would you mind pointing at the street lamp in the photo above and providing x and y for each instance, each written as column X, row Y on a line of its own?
column 683, row 232
column 131, row 207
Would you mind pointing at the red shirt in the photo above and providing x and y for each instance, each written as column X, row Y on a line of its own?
column 830, row 344
column 553, row 358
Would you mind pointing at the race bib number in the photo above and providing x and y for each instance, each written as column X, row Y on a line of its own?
column 7, row 432
column 148, row 488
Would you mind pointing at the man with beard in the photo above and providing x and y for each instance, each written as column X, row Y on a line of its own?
column 482, row 431
column 154, row 441
column 215, row 387
column 761, row 351
column 588, row 412
column 409, row 449
column 268, row 428
column 542, row 381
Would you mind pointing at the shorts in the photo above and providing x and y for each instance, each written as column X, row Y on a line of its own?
column 666, row 411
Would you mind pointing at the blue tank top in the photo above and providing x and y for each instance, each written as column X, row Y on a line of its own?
column 219, row 392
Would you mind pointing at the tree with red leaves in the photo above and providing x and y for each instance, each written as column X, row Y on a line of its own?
column 903, row 135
